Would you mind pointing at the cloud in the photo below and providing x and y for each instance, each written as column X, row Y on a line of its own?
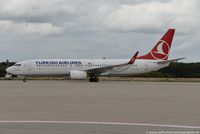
column 34, row 7
column 29, row 28
column 155, row 16
column 94, row 29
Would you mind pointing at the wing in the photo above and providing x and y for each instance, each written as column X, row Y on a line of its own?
column 104, row 69
column 169, row 61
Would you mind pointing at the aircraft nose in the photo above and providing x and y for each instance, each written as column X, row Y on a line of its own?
column 9, row 70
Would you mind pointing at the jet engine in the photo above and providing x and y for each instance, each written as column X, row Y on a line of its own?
column 77, row 75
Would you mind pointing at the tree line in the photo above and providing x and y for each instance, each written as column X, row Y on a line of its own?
column 175, row 70
column 3, row 66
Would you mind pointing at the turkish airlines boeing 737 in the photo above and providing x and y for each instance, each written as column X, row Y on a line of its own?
column 156, row 59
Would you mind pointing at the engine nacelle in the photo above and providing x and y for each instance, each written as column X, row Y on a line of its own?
column 77, row 75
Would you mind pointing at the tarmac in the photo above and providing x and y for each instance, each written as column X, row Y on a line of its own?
column 107, row 107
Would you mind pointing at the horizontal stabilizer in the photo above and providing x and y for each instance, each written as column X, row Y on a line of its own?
column 169, row 61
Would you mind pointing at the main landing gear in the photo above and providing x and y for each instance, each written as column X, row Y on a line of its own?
column 93, row 79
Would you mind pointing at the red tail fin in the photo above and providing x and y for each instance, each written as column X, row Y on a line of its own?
column 162, row 48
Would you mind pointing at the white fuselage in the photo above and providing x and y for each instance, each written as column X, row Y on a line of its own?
column 154, row 60
column 62, row 67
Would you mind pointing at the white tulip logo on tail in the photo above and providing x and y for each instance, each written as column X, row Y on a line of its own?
column 161, row 50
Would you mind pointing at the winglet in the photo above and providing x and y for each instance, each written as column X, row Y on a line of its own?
column 132, row 60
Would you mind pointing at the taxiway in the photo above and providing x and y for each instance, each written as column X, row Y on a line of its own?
column 161, row 103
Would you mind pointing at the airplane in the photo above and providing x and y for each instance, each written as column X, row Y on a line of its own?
column 75, row 69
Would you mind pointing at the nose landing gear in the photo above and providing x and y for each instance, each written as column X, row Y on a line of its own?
column 8, row 77
column 25, row 80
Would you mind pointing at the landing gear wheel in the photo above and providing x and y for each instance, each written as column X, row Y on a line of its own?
column 94, row 79
column 24, row 80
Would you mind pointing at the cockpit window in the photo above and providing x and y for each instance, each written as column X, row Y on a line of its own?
column 18, row 65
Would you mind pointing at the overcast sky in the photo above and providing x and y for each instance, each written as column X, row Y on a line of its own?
column 32, row 29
